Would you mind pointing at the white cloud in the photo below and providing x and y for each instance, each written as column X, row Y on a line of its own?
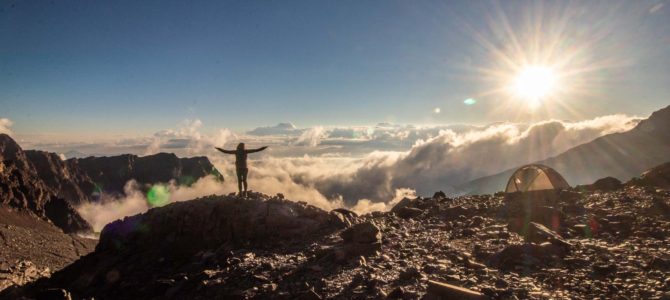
column 362, row 168
column 5, row 125
column 279, row 129
column 188, row 139
column 311, row 137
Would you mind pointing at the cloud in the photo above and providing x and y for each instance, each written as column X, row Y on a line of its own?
column 329, row 176
column 187, row 138
column 656, row 8
column 279, row 129
column 99, row 214
column 5, row 125
column 311, row 137
column 450, row 158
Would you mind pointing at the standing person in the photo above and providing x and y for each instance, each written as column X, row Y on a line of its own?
column 241, row 165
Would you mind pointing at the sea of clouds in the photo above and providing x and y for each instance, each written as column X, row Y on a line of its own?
column 364, row 168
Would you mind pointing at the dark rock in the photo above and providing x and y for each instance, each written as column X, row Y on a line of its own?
column 397, row 293
column 54, row 294
column 364, row 233
column 410, row 273
column 538, row 233
column 658, row 176
column 112, row 173
column 606, row 184
column 545, row 215
column 408, row 212
column 22, row 188
column 405, row 202
column 343, row 218
column 206, row 223
column 526, row 256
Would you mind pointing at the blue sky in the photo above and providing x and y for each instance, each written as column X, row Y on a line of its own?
column 76, row 67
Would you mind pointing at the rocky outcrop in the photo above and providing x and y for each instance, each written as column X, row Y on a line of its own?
column 606, row 184
column 44, row 184
column 21, row 187
column 64, row 179
column 207, row 223
column 615, row 245
column 658, row 176
column 210, row 229
column 110, row 174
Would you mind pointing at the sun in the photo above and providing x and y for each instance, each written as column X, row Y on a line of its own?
column 534, row 83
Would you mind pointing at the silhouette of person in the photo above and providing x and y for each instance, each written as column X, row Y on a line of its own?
column 241, row 164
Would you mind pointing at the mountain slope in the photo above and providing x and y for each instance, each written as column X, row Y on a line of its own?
column 110, row 174
column 621, row 155
column 22, row 188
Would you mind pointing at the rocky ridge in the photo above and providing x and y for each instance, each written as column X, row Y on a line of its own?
column 573, row 244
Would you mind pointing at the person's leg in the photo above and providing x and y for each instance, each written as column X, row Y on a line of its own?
column 240, row 173
column 244, row 179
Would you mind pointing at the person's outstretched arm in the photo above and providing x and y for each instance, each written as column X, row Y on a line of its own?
column 225, row 151
column 257, row 150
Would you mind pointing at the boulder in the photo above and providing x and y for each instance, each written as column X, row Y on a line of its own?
column 538, row 233
column 405, row 202
column 364, row 233
column 527, row 256
column 343, row 218
column 359, row 240
column 408, row 212
column 207, row 223
column 658, row 176
column 604, row 184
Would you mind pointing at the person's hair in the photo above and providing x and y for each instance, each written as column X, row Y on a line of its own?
column 240, row 146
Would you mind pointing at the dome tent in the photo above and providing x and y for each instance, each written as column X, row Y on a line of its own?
column 535, row 177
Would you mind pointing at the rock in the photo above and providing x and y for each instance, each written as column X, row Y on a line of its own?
column 526, row 256
column 606, row 184
column 397, row 293
column 659, row 207
column 538, row 233
column 54, row 294
column 408, row 212
column 604, row 269
column 343, row 218
column 410, row 273
column 439, row 195
column 455, row 211
column 545, row 215
column 364, row 233
column 206, row 223
column 359, row 240
column 22, row 187
column 659, row 263
column 439, row 290
column 405, row 202
column 658, row 176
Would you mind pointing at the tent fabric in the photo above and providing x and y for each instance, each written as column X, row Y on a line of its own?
column 535, row 177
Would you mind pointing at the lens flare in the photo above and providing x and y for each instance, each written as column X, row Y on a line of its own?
column 158, row 195
column 469, row 101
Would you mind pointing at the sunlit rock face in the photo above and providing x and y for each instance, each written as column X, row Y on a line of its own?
column 22, row 188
